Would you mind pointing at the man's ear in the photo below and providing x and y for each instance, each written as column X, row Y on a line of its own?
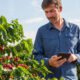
column 60, row 8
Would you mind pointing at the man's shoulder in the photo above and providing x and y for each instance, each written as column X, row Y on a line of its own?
column 44, row 27
column 72, row 24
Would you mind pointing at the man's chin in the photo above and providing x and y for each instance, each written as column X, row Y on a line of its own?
column 52, row 21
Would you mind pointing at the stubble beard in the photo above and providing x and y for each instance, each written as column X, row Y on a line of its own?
column 53, row 20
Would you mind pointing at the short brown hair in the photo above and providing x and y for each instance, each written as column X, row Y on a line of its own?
column 46, row 3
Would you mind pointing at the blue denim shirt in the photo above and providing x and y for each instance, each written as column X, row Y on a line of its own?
column 50, row 41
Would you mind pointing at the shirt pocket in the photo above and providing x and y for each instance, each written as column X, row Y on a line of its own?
column 71, row 40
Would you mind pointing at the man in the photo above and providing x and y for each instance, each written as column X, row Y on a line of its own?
column 55, row 37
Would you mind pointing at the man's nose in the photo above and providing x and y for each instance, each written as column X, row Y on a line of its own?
column 49, row 15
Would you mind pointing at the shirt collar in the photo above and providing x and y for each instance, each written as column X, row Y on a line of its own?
column 66, row 24
column 51, row 26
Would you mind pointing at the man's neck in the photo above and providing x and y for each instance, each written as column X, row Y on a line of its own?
column 59, row 24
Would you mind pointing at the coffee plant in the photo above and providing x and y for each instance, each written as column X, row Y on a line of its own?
column 16, row 59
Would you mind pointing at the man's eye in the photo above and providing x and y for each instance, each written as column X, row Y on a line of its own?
column 51, row 11
column 46, row 12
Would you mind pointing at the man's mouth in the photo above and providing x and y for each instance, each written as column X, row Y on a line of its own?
column 52, row 18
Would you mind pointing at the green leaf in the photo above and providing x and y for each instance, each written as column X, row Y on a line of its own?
column 42, row 62
column 54, row 78
column 61, row 78
column 3, row 20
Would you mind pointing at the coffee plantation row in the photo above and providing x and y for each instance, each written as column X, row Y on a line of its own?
column 16, row 59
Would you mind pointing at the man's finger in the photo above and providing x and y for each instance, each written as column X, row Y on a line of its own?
column 56, row 57
column 60, row 62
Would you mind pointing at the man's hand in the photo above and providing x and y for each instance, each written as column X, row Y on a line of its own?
column 72, row 58
column 55, row 61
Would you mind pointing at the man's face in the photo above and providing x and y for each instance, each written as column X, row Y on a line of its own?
column 52, row 13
